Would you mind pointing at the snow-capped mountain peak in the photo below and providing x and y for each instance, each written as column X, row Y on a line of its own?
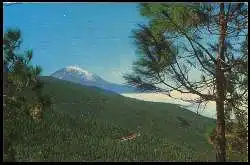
column 89, row 76
column 82, row 76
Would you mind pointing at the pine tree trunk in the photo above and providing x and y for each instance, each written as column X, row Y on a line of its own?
column 5, row 87
column 8, row 148
column 8, row 151
column 220, row 86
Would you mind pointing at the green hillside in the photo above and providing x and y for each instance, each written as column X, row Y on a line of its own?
column 86, row 122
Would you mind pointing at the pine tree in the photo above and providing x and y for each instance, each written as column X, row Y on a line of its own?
column 184, row 40
column 19, row 76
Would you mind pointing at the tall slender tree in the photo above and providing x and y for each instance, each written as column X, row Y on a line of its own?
column 18, row 76
column 194, row 48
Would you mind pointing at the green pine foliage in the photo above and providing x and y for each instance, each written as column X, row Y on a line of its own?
column 86, row 125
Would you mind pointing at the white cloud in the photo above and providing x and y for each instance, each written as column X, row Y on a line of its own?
column 210, row 110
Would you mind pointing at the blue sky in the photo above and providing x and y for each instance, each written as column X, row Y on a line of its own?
column 94, row 36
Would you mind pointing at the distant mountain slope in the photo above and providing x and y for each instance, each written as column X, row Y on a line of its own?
column 87, row 123
column 82, row 76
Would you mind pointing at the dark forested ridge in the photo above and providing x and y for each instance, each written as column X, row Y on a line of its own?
column 86, row 122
